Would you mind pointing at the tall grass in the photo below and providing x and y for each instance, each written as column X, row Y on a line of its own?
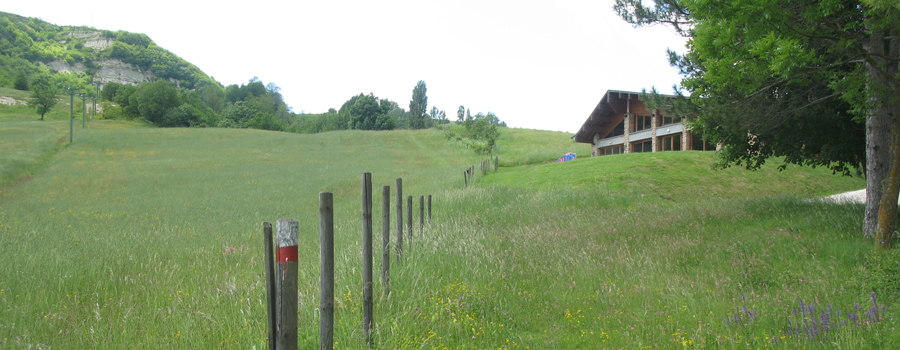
column 529, row 146
column 151, row 238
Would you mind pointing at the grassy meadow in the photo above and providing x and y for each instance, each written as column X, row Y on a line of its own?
column 140, row 237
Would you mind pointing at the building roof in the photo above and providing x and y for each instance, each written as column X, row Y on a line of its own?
column 603, row 119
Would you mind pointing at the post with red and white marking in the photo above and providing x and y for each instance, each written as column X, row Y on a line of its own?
column 286, row 232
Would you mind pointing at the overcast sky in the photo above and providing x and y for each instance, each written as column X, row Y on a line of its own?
column 535, row 64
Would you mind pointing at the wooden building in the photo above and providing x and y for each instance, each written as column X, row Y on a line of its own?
column 621, row 123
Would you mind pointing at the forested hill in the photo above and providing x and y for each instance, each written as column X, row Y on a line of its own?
column 91, row 56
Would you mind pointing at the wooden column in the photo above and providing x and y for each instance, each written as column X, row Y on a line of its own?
column 326, row 271
column 409, row 216
column 626, row 147
column 270, row 284
column 399, row 219
column 654, row 117
column 286, row 231
column 367, row 308
column 386, row 238
column 421, row 216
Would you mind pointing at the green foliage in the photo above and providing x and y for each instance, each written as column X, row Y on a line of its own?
column 882, row 272
column 43, row 94
column 213, row 96
column 789, row 85
column 479, row 133
column 134, row 39
column 239, row 114
column 315, row 123
column 21, row 82
column 368, row 113
column 418, row 107
column 160, row 61
column 110, row 90
column 438, row 117
column 154, row 100
column 185, row 115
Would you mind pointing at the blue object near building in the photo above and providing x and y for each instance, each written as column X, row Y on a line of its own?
column 567, row 157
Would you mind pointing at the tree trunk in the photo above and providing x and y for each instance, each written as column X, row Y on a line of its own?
column 887, row 209
column 878, row 135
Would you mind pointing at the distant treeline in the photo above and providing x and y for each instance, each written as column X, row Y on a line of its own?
column 261, row 106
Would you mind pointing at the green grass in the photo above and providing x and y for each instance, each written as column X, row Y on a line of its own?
column 137, row 237
column 673, row 176
column 25, row 112
column 528, row 146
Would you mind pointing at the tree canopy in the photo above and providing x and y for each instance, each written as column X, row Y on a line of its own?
column 370, row 113
column 418, row 107
column 43, row 94
column 789, row 78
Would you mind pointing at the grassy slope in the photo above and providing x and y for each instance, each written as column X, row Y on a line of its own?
column 678, row 176
column 528, row 146
column 128, row 235
column 27, row 143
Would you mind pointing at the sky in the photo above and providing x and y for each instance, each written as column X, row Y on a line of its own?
column 535, row 64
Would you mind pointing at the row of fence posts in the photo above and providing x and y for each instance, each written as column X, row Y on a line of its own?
column 281, row 264
column 486, row 165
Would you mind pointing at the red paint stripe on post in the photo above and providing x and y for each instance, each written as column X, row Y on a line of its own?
column 286, row 254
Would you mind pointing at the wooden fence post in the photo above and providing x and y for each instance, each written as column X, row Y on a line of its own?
column 367, row 256
column 421, row 216
column 286, row 231
column 386, row 238
column 429, row 209
column 270, row 283
column 466, row 178
column 409, row 216
column 326, row 271
column 399, row 218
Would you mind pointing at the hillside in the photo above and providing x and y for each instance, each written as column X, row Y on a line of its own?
column 30, row 45
column 151, row 238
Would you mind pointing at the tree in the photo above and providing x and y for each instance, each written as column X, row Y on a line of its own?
column 21, row 82
column 110, row 90
column 461, row 114
column 786, row 64
column 154, row 100
column 43, row 94
column 434, row 116
column 240, row 114
column 368, row 113
column 213, row 97
column 418, row 107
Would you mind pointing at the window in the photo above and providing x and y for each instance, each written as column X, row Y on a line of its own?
column 618, row 130
column 606, row 151
column 642, row 146
column 670, row 143
column 666, row 120
column 642, row 122
column 697, row 143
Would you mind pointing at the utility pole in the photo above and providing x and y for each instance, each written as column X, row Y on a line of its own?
column 71, row 112
column 83, row 109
